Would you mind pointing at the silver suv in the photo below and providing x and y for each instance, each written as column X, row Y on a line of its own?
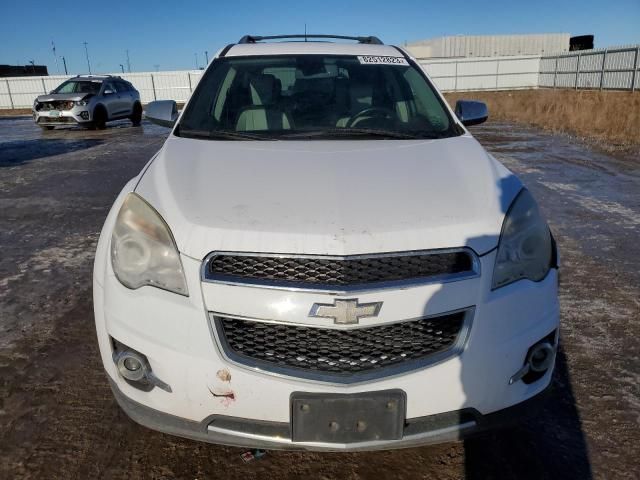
column 90, row 101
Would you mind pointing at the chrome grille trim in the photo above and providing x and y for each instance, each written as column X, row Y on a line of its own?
column 333, row 379
column 207, row 277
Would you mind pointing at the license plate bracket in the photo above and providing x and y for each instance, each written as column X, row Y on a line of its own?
column 347, row 418
column 54, row 113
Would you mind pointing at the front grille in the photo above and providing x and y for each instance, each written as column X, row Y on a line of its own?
column 339, row 354
column 55, row 105
column 354, row 271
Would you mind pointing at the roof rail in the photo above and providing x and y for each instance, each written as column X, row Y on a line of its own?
column 256, row 38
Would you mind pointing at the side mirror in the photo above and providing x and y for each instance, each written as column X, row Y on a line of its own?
column 162, row 112
column 471, row 112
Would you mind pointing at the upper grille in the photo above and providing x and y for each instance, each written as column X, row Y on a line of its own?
column 55, row 105
column 343, row 355
column 354, row 271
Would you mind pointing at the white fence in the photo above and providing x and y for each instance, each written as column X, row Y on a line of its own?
column 483, row 73
column 613, row 68
column 19, row 92
column 609, row 68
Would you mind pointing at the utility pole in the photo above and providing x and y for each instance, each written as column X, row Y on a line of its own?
column 128, row 62
column 197, row 66
column 64, row 62
column 206, row 55
column 53, row 47
column 86, row 51
column 122, row 68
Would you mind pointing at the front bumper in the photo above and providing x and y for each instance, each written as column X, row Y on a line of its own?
column 439, row 428
column 215, row 399
column 174, row 333
column 77, row 115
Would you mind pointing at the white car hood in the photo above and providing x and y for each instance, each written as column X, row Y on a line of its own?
column 328, row 197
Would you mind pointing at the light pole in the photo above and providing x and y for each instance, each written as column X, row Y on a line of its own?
column 64, row 62
column 33, row 66
column 128, row 62
column 206, row 54
column 122, row 68
column 86, row 51
column 53, row 47
column 197, row 66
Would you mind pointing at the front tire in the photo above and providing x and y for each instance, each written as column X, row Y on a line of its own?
column 136, row 116
column 99, row 119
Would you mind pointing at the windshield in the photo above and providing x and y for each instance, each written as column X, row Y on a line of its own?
column 315, row 97
column 79, row 86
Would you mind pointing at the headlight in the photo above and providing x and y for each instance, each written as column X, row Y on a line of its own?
column 525, row 249
column 143, row 251
column 82, row 103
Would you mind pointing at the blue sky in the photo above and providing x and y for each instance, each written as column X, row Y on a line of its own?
column 170, row 33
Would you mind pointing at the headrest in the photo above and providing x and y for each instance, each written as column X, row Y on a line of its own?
column 264, row 89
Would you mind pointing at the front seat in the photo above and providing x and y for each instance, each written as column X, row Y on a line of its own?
column 265, row 113
column 259, row 117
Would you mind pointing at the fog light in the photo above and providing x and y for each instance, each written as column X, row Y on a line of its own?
column 84, row 115
column 131, row 366
column 538, row 361
column 541, row 357
column 134, row 367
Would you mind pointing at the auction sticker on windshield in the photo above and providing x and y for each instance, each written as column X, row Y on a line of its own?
column 382, row 60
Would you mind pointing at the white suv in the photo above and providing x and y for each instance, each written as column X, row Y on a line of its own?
column 321, row 256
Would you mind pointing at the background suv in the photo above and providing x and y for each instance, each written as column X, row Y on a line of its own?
column 90, row 101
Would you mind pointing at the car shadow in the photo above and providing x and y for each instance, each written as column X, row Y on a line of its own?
column 543, row 440
column 18, row 152
column 548, row 443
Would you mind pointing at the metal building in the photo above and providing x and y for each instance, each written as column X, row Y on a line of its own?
column 490, row 45
column 23, row 70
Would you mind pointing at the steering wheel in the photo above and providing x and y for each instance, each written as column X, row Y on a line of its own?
column 371, row 112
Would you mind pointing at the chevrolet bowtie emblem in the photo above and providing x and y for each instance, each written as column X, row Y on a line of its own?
column 345, row 312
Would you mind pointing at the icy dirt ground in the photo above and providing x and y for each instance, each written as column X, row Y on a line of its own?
column 58, row 418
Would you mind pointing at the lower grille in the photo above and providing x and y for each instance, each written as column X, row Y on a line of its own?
column 56, row 120
column 341, row 355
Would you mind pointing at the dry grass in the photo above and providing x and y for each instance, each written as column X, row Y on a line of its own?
column 8, row 112
column 608, row 117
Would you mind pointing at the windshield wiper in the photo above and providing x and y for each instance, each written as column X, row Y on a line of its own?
column 220, row 134
column 338, row 132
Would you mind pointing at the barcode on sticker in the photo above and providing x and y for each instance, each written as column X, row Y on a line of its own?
column 381, row 60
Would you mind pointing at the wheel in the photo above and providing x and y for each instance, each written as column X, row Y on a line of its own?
column 136, row 116
column 99, row 119
column 46, row 127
